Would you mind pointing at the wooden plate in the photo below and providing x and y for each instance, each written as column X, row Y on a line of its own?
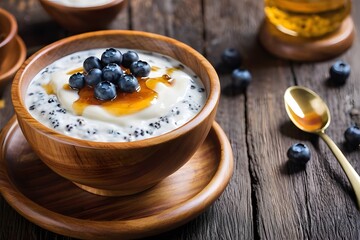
column 307, row 49
column 56, row 204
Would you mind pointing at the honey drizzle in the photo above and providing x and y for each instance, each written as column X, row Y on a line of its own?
column 169, row 71
column 80, row 70
column 48, row 88
column 124, row 103
column 154, row 68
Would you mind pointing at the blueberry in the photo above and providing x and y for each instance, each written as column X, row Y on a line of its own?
column 111, row 55
column 299, row 153
column 241, row 78
column 105, row 91
column 93, row 77
column 231, row 58
column 77, row 81
column 339, row 72
column 111, row 72
column 140, row 69
column 352, row 135
column 128, row 58
column 129, row 83
column 92, row 62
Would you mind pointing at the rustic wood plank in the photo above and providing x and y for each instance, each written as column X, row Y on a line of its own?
column 122, row 21
column 179, row 19
column 275, row 211
column 227, row 26
column 295, row 203
column 182, row 20
column 329, row 196
column 267, row 197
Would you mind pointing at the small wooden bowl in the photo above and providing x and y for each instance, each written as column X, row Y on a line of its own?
column 83, row 19
column 8, row 31
column 12, row 48
column 15, row 57
column 119, row 168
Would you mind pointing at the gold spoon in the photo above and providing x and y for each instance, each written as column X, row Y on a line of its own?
column 311, row 114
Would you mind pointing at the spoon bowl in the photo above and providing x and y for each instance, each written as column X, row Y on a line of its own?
column 310, row 113
column 306, row 109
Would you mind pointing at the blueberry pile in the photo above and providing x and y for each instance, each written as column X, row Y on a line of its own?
column 106, row 75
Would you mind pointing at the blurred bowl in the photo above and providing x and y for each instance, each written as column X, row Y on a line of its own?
column 15, row 56
column 12, row 48
column 116, row 168
column 8, row 30
column 83, row 19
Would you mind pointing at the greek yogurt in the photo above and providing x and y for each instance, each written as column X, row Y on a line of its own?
column 179, row 96
column 81, row 3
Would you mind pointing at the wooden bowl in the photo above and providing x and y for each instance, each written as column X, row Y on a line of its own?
column 83, row 19
column 15, row 57
column 117, row 168
column 8, row 30
column 12, row 48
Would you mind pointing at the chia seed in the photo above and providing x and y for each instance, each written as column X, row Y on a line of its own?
column 50, row 111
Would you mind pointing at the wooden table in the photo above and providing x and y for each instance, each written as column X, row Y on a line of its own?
column 267, row 198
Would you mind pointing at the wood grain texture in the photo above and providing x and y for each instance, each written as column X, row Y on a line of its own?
column 314, row 202
column 48, row 200
column 228, row 25
column 16, row 54
column 179, row 19
column 8, row 32
column 267, row 198
column 116, row 168
column 12, row 49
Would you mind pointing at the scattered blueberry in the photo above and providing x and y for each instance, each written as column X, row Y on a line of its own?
column 299, row 153
column 231, row 58
column 352, row 135
column 241, row 78
column 105, row 91
column 93, row 77
column 128, row 58
column 112, row 72
column 77, row 81
column 129, row 83
column 339, row 72
column 140, row 69
column 111, row 55
column 92, row 62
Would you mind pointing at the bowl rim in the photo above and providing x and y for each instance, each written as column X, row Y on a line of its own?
column 213, row 94
column 13, row 27
column 21, row 58
column 53, row 4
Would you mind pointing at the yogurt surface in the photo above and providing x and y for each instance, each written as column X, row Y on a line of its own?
column 81, row 3
column 178, row 101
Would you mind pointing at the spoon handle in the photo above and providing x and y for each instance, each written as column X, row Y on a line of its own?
column 350, row 172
